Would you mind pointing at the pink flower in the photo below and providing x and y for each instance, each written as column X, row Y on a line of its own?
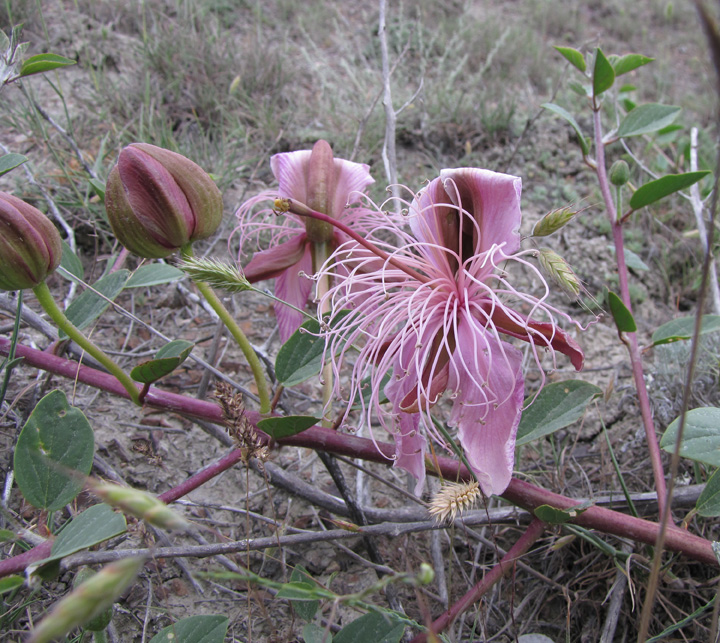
column 326, row 184
column 434, row 319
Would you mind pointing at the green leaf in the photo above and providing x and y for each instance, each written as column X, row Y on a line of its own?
column 99, row 187
column 554, row 516
column 168, row 358
column 89, row 305
column 54, row 453
column 631, row 259
column 70, row 261
column 42, row 63
column 283, row 427
column 10, row 162
column 374, row 627
column 154, row 274
column 647, row 118
column 628, row 62
column 563, row 113
column 194, row 629
column 300, row 357
column 558, row 405
column 603, row 73
column 660, row 188
column 312, row 633
column 622, row 316
column 708, row 504
column 92, row 526
column 573, row 56
column 683, row 328
column 9, row 583
column 305, row 608
column 701, row 437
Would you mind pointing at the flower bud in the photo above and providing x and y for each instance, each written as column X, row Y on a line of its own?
column 320, row 191
column 158, row 201
column 619, row 173
column 30, row 245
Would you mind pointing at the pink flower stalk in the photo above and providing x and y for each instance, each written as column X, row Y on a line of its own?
column 434, row 319
column 322, row 182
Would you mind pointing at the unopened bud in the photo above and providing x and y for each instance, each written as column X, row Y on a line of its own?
column 553, row 221
column 30, row 245
column 559, row 271
column 140, row 504
column 619, row 173
column 158, row 201
column 426, row 575
column 321, row 184
column 88, row 600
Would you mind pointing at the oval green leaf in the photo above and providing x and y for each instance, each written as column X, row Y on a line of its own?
column 168, row 358
column 94, row 525
column 628, row 62
column 10, row 162
column 284, row 427
column 70, row 262
column 622, row 316
column 378, row 628
column 305, row 609
column 90, row 305
column 42, row 63
column 555, row 516
column 194, row 629
column 9, row 583
column 563, row 113
column 573, row 56
column 660, row 188
column 154, row 274
column 701, row 437
column 312, row 633
column 708, row 504
column 683, row 328
column 645, row 119
column 54, row 453
column 603, row 73
column 558, row 405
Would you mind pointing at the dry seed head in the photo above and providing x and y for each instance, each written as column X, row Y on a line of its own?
column 238, row 427
column 453, row 498
column 558, row 269
column 553, row 221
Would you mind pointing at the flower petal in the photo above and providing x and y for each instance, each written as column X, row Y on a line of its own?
column 487, row 378
column 290, row 169
column 272, row 262
column 557, row 338
column 352, row 179
column 493, row 199
column 293, row 287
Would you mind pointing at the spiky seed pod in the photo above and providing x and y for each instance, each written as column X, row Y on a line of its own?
column 216, row 274
column 158, row 201
column 559, row 271
column 453, row 498
column 140, row 504
column 30, row 245
column 553, row 221
column 87, row 600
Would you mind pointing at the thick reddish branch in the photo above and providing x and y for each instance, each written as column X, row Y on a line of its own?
column 521, row 493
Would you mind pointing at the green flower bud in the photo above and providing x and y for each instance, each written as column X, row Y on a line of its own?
column 619, row 173
column 87, row 600
column 158, row 201
column 426, row 574
column 320, row 191
column 30, row 245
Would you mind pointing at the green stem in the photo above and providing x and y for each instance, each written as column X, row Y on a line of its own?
column 252, row 359
column 42, row 292
column 320, row 254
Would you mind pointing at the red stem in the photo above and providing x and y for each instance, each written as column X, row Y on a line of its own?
column 532, row 533
column 521, row 493
column 633, row 348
